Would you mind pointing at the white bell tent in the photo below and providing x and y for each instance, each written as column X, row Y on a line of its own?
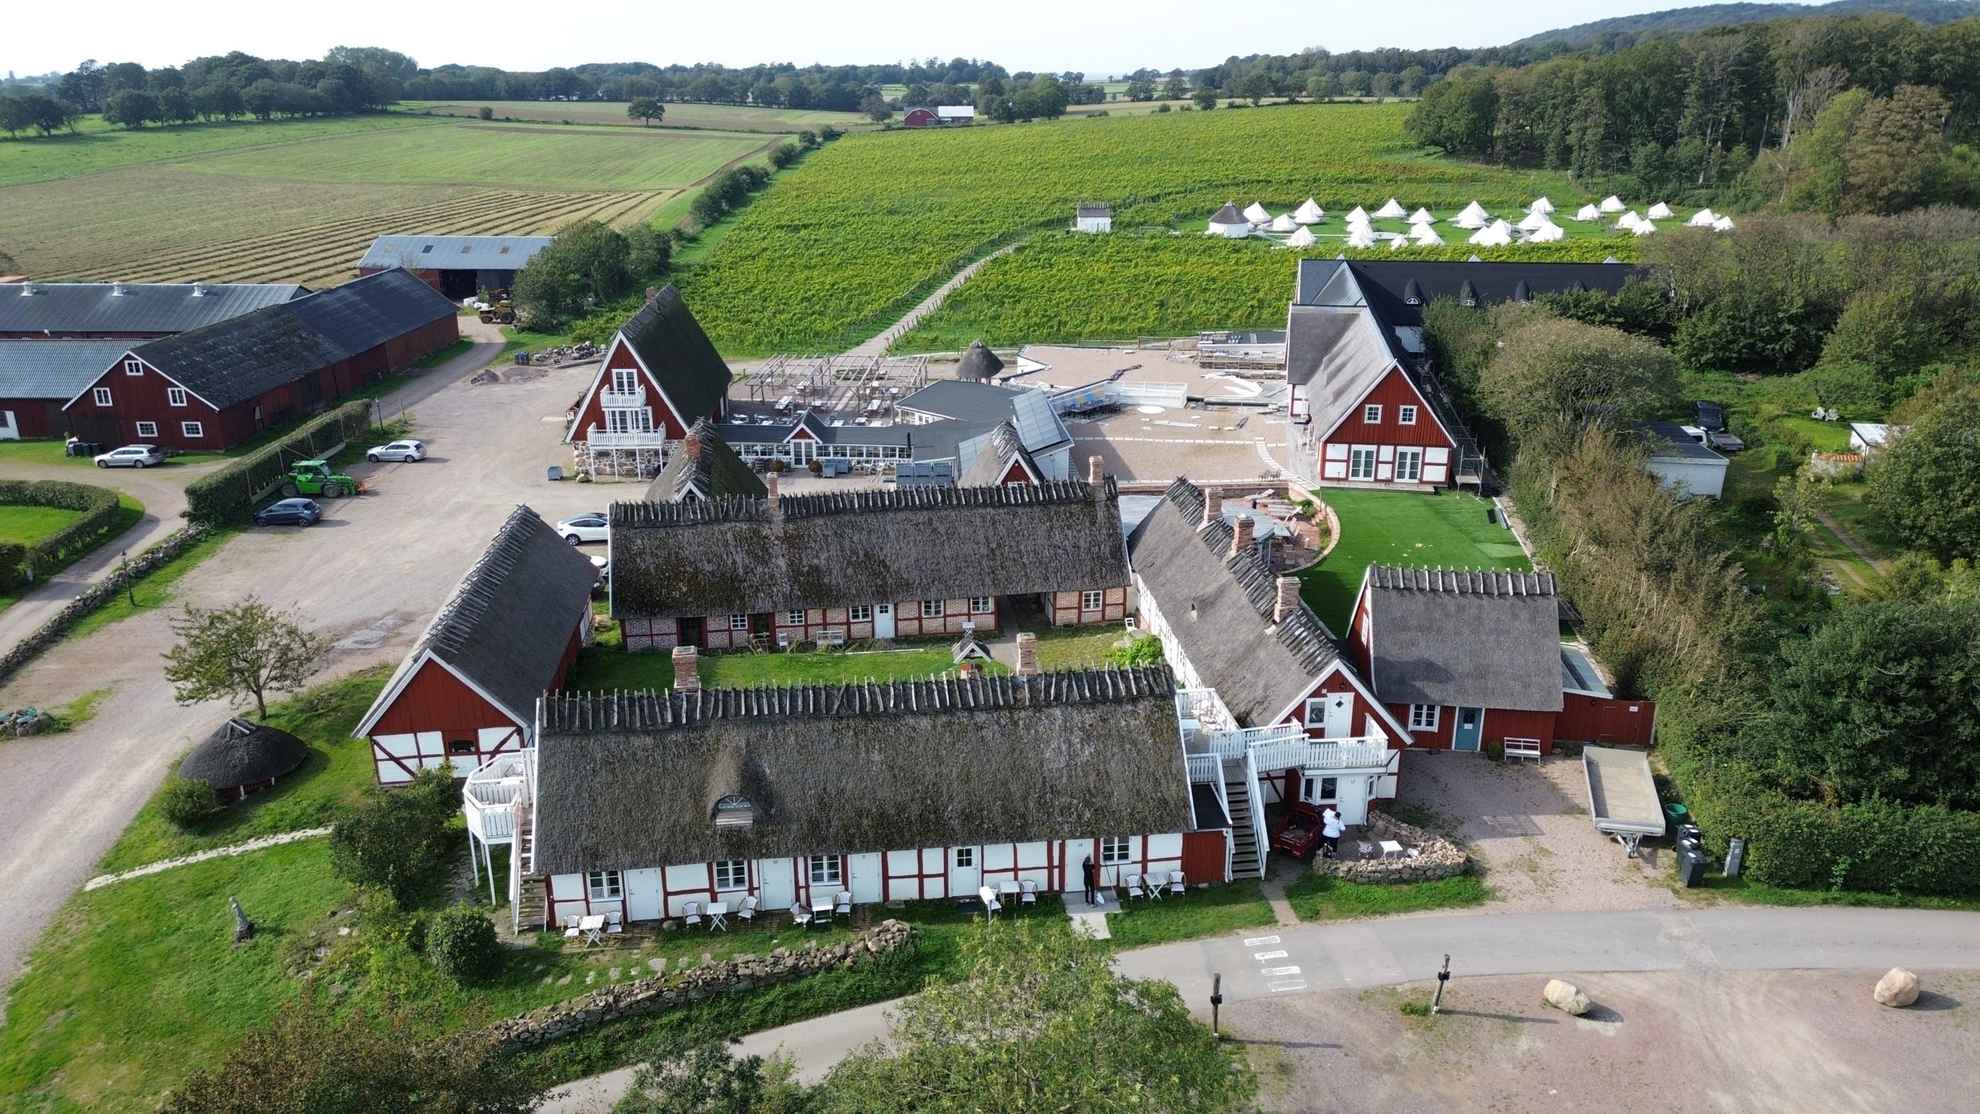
column 1284, row 222
column 1659, row 211
column 1541, row 206
column 1302, row 239
column 1360, row 237
column 1644, row 227
column 1547, row 233
column 1588, row 212
column 1391, row 210
column 1309, row 212
column 1421, row 217
column 1257, row 214
column 1425, row 236
column 1703, row 218
column 1612, row 204
column 1723, row 224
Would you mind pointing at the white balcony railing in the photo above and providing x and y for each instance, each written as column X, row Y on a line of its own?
column 639, row 439
column 634, row 399
column 490, row 796
column 1206, row 769
column 1286, row 745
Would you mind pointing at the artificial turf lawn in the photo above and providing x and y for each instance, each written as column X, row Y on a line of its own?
column 1444, row 530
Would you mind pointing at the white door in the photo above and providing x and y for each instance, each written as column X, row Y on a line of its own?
column 643, row 895
column 883, row 620
column 1353, row 799
column 9, row 431
column 1340, row 715
column 965, row 869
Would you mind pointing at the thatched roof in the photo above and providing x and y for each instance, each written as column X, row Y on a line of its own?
column 507, row 623
column 672, row 345
column 630, row 780
column 240, row 753
column 704, row 463
column 743, row 556
column 1220, row 610
column 1481, row 639
column 979, row 364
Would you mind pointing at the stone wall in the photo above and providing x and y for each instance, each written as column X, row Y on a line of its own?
column 1437, row 857
column 664, row 992
column 95, row 596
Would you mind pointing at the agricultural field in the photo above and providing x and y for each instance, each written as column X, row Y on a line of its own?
column 866, row 227
column 304, row 211
column 97, row 146
column 717, row 117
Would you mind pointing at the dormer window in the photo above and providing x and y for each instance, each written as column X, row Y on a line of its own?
column 734, row 811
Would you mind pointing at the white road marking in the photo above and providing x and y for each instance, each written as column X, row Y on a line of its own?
column 1274, row 972
column 1260, row 941
column 1268, row 955
column 1282, row 987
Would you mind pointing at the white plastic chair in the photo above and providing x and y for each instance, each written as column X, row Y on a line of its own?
column 691, row 913
column 747, row 912
column 842, row 903
column 1134, row 887
column 612, row 925
column 800, row 916
column 1175, row 881
column 570, row 926
column 1027, row 892
column 990, row 903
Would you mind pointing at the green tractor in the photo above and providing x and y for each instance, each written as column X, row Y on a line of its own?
column 314, row 477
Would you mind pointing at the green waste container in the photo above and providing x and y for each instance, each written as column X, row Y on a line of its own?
column 1677, row 813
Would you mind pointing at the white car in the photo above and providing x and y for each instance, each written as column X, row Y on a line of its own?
column 591, row 527
column 403, row 451
column 131, row 456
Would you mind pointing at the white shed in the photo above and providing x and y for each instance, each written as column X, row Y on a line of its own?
column 1093, row 217
column 1229, row 223
column 1679, row 458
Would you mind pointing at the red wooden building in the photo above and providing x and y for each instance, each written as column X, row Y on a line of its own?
column 660, row 375
column 511, row 630
column 217, row 386
column 1471, row 658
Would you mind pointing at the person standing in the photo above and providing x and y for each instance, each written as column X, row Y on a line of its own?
column 1330, row 832
column 1090, row 876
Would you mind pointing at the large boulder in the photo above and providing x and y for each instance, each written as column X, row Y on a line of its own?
column 1897, row 989
column 1566, row 997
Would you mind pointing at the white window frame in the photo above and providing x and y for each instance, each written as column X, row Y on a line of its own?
column 1316, row 711
column 1314, row 788
column 1371, row 413
column 1405, row 415
column 981, row 605
column 102, row 396
column 859, row 613
column 175, row 396
column 731, row 874
column 738, row 622
column 603, row 885
column 1425, row 717
column 625, row 380
column 964, row 857
column 133, row 367
column 939, row 606
column 629, row 421
column 1116, row 850
column 1409, row 466
column 192, row 429
column 147, row 429
column 1092, row 599
column 1358, row 455
column 794, row 617
column 823, row 870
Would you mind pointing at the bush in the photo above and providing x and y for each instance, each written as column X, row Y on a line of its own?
column 229, row 493
column 485, row 113
column 13, row 565
column 398, row 839
column 1142, row 649
column 784, row 155
column 461, row 943
column 99, row 507
column 187, row 802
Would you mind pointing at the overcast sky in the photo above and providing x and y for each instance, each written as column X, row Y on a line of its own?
column 1094, row 36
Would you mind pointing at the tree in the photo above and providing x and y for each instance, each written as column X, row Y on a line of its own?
column 875, row 107
column 586, row 264
column 1175, row 89
column 646, row 110
column 1927, row 483
column 1256, row 86
column 1879, row 703
column 397, row 841
column 1205, row 99
column 1551, row 375
column 1042, row 1015
column 1895, row 146
column 219, row 100
column 314, row 1060
column 1456, row 115
column 131, row 108
column 705, row 1078
column 175, row 106
column 461, row 943
column 484, row 113
column 1141, row 90
column 247, row 650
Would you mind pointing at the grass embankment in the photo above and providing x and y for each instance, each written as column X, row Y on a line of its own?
column 1322, row 897
column 1445, row 530
column 153, row 592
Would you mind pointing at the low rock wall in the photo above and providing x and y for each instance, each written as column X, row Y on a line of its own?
column 665, row 992
column 1437, row 857
column 95, row 596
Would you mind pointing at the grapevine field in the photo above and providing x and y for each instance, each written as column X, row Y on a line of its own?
column 304, row 210
column 1067, row 287
column 838, row 249
column 718, row 117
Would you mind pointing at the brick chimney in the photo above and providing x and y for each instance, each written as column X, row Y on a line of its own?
column 1287, row 600
column 1241, row 542
column 1027, row 651
column 1213, row 508
column 687, row 669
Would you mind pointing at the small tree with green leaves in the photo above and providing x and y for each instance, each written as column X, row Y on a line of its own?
column 247, row 650
column 397, row 840
column 646, row 110
column 186, row 802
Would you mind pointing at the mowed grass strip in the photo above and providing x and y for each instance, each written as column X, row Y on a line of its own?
column 1446, row 530
column 97, row 146
column 716, row 117
column 1322, row 897
column 510, row 156
column 604, row 666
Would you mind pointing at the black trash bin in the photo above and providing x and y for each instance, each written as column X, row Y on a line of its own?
column 1690, row 867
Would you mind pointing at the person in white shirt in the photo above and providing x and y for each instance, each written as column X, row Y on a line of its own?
column 1330, row 831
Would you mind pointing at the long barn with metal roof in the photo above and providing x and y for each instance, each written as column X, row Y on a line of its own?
column 457, row 266
column 129, row 310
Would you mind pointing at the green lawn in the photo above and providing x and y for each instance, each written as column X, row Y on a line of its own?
column 1445, row 530
column 606, row 666
column 1322, row 897
column 1077, row 647
column 154, row 591
column 1210, row 911
column 28, row 525
column 337, row 772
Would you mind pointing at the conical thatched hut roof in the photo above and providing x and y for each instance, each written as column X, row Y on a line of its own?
column 241, row 753
column 979, row 364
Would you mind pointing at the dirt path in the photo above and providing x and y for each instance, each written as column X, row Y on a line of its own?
column 877, row 346
column 1854, row 543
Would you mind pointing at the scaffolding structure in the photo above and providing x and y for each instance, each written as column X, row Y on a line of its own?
column 859, row 386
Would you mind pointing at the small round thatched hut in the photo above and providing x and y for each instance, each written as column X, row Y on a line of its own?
column 979, row 364
column 242, row 757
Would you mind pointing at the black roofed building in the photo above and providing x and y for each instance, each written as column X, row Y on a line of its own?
column 660, row 375
column 905, row 790
column 457, row 266
column 217, row 386
column 949, row 414
column 1261, row 672
column 703, row 466
column 1364, row 403
column 467, row 692
column 908, row 563
column 243, row 757
column 1473, row 658
column 129, row 310
column 37, row 377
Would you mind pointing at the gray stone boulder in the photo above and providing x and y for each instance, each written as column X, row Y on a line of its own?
column 1897, row 989
column 1566, row 997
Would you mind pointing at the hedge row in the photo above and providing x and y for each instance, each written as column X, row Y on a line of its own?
column 95, row 596
column 99, row 511
column 230, row 492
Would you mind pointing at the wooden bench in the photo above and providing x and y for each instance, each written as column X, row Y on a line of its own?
column 1522, row 748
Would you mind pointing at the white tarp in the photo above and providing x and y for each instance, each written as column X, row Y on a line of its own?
column 1309, row 212
column 1390, row 210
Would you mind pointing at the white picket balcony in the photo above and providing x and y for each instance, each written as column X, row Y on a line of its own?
column 634, row 399
column 641, row 439
column 490, row 796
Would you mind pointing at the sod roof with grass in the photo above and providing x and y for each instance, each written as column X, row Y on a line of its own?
column 631, row 780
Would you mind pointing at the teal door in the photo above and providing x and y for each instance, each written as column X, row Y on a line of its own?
column 1469, row 730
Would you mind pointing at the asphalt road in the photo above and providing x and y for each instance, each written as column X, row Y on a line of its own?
column 370, row 575
column 1362, row 954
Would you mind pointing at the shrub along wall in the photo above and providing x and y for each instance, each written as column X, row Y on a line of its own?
column 230, row 492
column 95, row 596
column 99, row 510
